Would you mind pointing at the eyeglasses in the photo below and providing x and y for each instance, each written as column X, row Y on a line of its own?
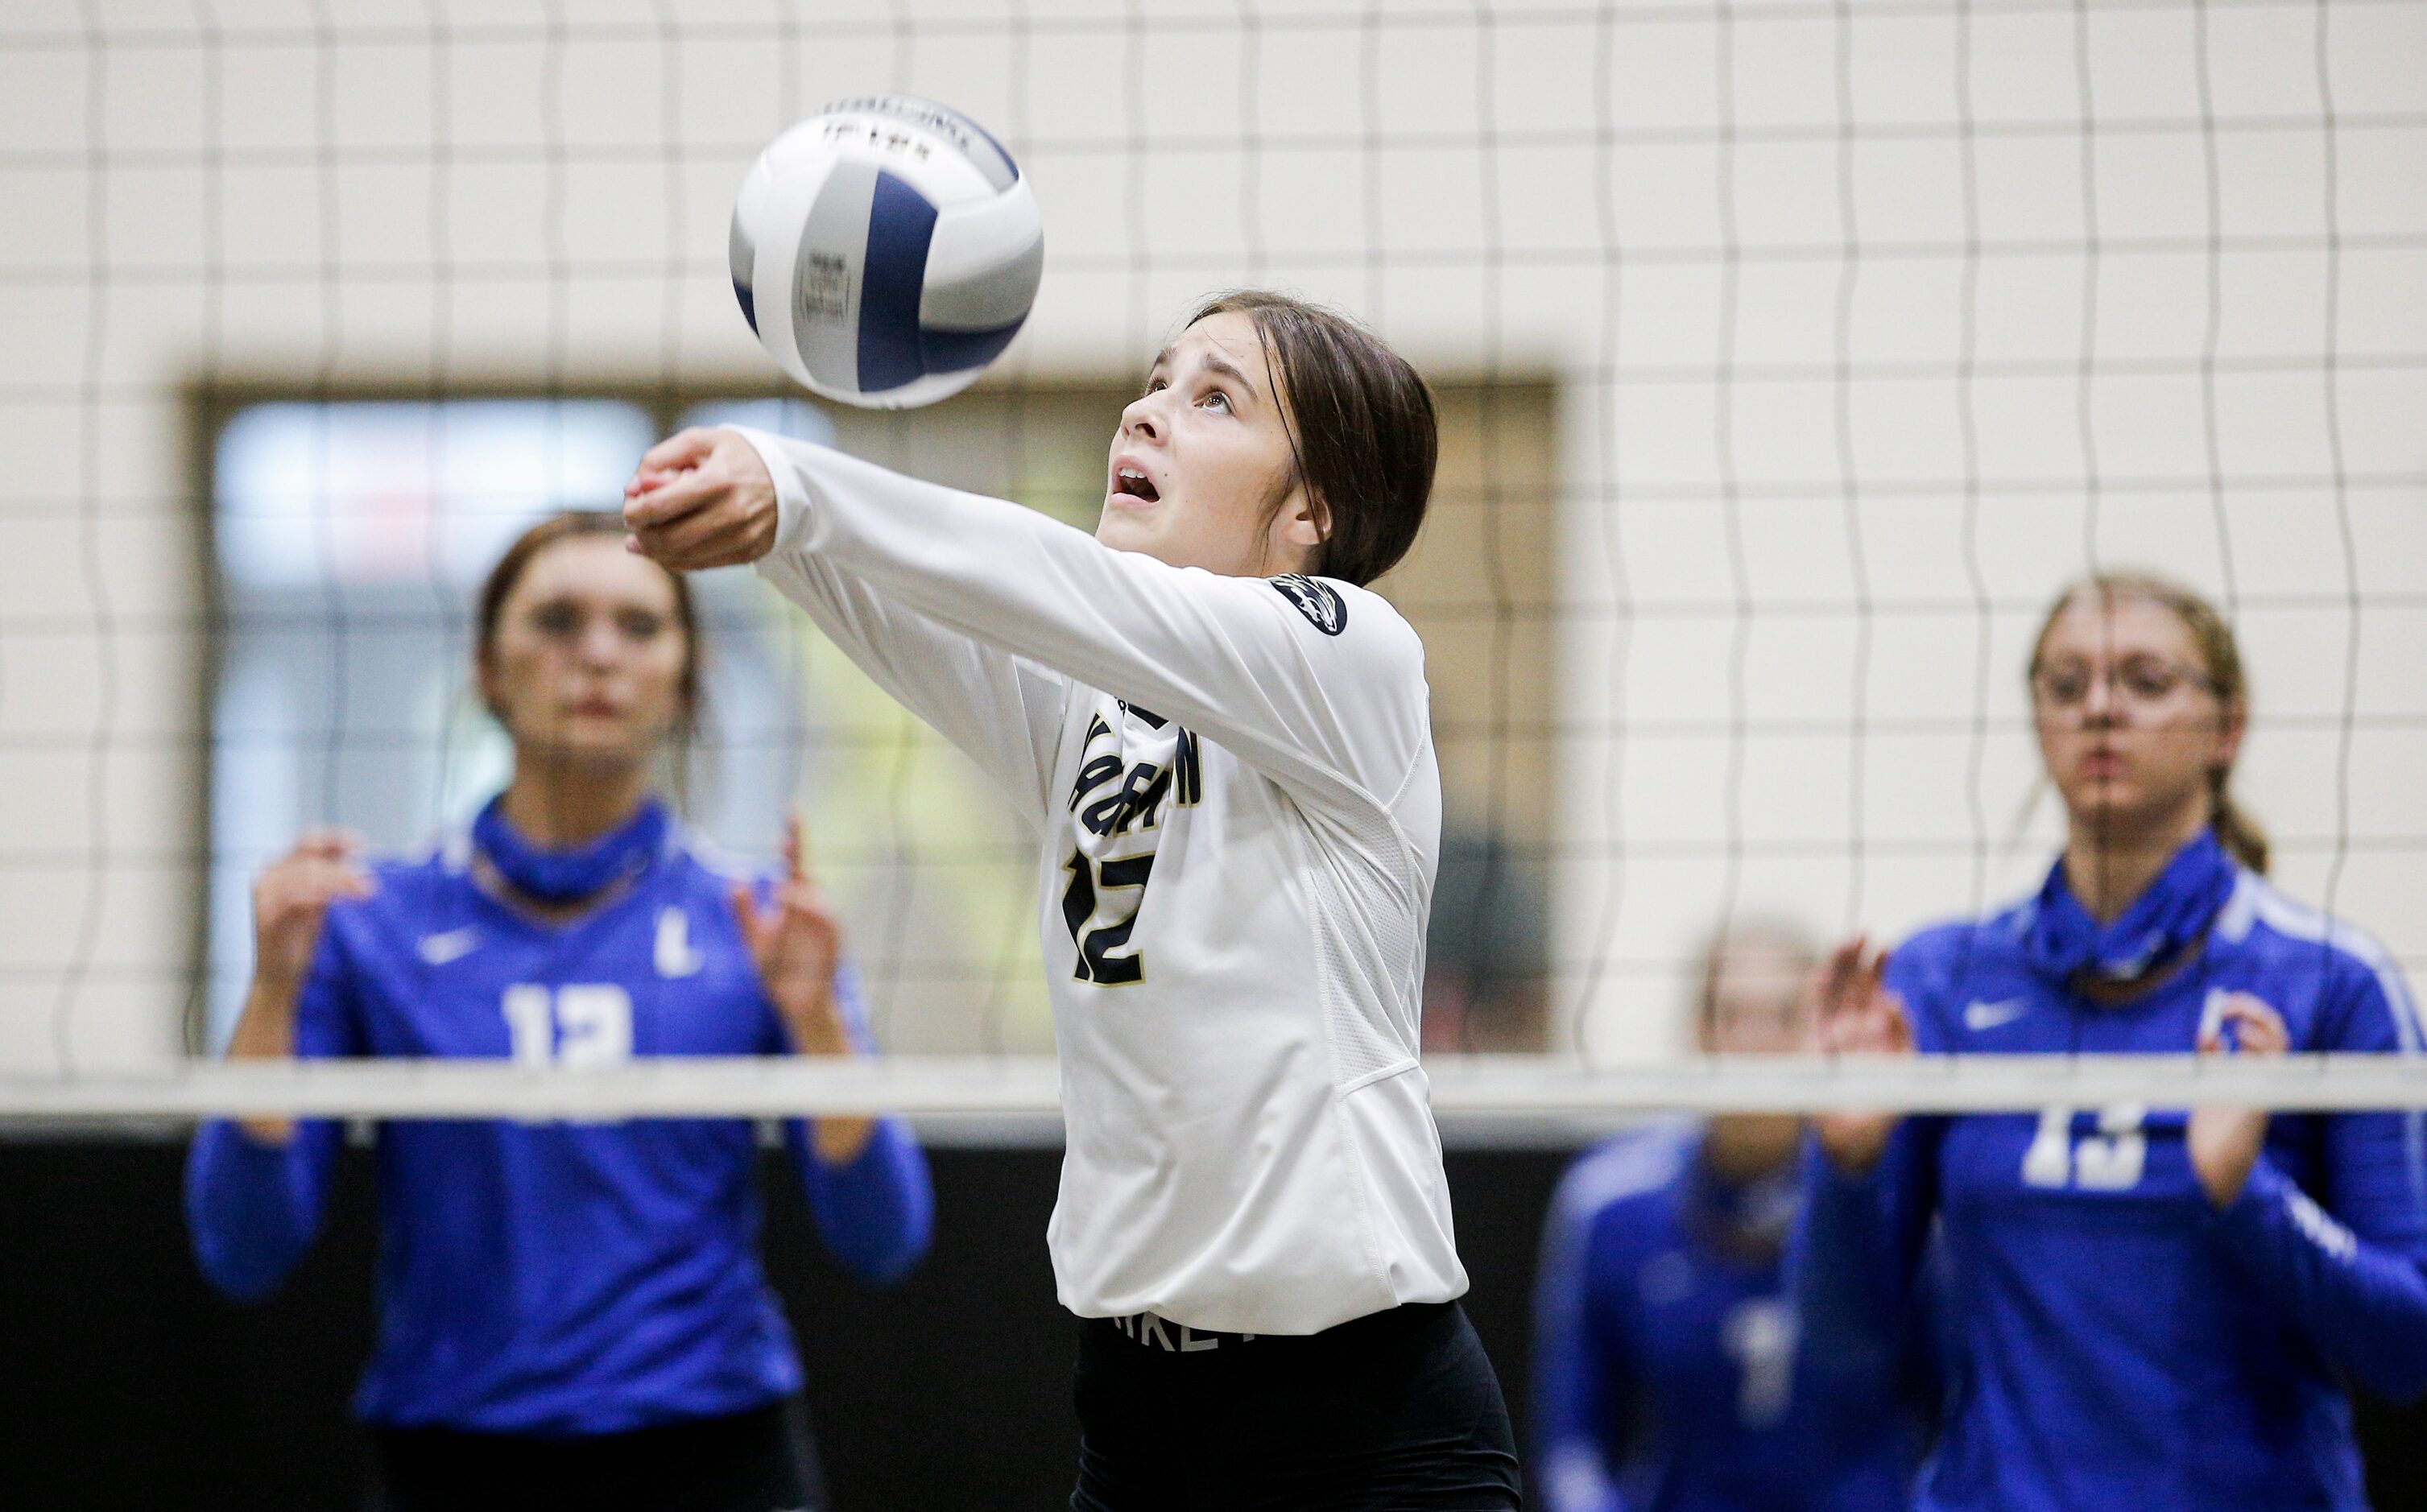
column 2140, row 682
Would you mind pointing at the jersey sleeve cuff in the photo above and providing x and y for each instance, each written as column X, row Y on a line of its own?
column 2272, row 1216
column 1822, row 1173
column 2262, row 1194
column 234, row 1144
column 791, row 501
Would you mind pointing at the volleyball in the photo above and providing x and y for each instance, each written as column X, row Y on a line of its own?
column 884, row 251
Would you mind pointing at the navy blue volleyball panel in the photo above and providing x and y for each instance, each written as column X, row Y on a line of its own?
column 901, row 223
column 741, row 258
column 951, row 352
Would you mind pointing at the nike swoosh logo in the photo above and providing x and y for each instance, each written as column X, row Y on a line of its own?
column 1980, row 1016
column 453, row 946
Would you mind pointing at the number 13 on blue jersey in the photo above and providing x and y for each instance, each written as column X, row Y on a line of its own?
column 2111, row 1160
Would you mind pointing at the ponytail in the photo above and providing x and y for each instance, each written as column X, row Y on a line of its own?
column 2242, row 837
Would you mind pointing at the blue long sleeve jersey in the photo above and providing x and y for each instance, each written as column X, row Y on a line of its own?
column 2118, row 1343
column 553, row 1277
column 1667, row 1376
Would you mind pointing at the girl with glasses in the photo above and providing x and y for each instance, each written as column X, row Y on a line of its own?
column 2152, row 1309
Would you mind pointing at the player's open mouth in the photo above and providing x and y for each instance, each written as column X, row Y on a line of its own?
column 1133, row 483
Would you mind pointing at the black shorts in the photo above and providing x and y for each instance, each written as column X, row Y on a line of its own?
column 754, row 1461
column 1398, row 1411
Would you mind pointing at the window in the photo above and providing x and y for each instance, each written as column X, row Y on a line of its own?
column 351, row 535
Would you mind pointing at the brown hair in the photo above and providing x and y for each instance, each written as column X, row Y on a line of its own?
column 2220, row 659
column 569, row 525
column 1362, row 432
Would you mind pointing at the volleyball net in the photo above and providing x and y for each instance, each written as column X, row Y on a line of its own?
column 1792, row 356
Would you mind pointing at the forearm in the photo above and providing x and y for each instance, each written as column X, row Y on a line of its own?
column 875, row 1211
column 1573, row 1390
column 1224, row 656
column 1004, row 714
column 840, row 1138
column 1579, row 1370
column 993, row 571
column 2364, row 1305
column 1575, row 1477
column 814, row 1026
column 1847, row 1266
column 265, row 1030
column 252, row 1209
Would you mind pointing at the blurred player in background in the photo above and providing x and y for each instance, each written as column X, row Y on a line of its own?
column 570, row 1315
column 2152, row 1310
column 1667, row 1376
column 1221, row 739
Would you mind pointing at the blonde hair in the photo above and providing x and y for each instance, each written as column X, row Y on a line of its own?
column 2220, row 660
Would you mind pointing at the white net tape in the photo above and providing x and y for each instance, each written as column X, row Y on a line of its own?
column 1469, row 1086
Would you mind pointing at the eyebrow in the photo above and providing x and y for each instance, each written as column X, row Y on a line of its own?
column 1231, row 371
column 1213, row 364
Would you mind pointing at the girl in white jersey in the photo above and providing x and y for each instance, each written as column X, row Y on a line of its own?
column 1222, row 742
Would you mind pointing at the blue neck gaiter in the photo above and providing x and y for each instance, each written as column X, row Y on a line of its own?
column 569, row 876
column 1761, row 1208
column 2063, row 941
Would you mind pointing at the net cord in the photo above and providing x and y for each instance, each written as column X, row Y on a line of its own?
column 769, row 1087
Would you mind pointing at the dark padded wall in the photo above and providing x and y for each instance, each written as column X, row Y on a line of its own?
column 125, row 1382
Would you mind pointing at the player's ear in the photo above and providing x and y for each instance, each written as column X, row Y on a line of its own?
column 2233, row 720
column 484, row 679
column 1303, row 520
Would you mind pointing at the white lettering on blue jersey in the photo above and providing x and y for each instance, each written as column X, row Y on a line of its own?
column 675, row 956
column 1759, row 1334
column 510, row 1305
column 2117, row 1326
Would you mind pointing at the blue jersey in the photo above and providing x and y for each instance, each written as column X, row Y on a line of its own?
column 2118, row 1343
column 552, row 1277
column 1667, row 1376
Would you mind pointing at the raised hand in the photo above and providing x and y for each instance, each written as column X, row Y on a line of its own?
column 291, row 902
column 2223, row 1142
column 1852, row 1011
column 290, row 898
column 796, row 944
column 701, row 499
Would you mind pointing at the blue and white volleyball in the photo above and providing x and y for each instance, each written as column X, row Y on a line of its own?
column 884, row 251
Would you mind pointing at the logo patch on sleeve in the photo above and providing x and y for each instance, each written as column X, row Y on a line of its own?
column 1319, row 602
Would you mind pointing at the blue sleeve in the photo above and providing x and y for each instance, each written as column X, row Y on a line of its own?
column 1578, row 1379
column 1854, row 1257
column 877, row 1214
column 2349, row 1270
column 252, row 1208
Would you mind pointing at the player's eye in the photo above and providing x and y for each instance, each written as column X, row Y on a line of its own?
column 640, row 623
column 2062, row 685
column 2149, row 681
column 558, row 620
column 1156, row 385
column 1218, row 401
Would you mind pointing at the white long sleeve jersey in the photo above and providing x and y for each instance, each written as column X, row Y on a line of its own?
column 1233, row 785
